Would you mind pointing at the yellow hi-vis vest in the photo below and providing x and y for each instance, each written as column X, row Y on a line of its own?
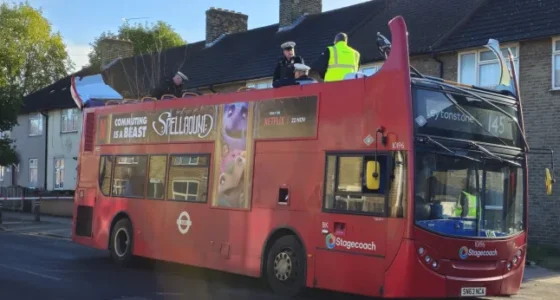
column 472, row 206
column 343, row 59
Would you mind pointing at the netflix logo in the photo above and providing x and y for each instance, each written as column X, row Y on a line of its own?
column 274, row 121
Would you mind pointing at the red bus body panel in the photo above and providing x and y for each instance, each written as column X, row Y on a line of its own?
column 234, row 240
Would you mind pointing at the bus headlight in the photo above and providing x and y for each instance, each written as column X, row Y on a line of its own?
column 428, row 259
column 509, row 266
column 434, row 264
column 421, row 251
column 515, row 260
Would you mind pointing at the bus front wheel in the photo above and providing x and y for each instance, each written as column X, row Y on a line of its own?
column 285, row 267
column 121, row 243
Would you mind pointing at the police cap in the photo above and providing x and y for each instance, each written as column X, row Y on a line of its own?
column 301, row 67
column 288, row 45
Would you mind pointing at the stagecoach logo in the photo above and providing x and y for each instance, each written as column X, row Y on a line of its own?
column 332, row 241
column 465, row 252
column 184, row 222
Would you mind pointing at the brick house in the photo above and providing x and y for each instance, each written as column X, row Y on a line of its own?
column 446, row 40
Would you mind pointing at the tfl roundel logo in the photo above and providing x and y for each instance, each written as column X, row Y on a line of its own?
column 329, row 240
column 464, row 252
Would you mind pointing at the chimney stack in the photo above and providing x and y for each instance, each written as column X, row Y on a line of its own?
column 110, row 49
column 221, row 21
column 291, row 10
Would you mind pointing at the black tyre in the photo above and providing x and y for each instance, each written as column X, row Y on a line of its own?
column 121, row 243
column 285, row 266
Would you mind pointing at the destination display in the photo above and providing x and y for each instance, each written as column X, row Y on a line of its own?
column 436, row 114
column 286, row 118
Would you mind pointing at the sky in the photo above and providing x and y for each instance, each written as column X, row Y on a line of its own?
column 80, row 21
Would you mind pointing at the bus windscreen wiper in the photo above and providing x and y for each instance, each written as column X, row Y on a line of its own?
column 494, row 155
column 429, row 140
column 514, row 119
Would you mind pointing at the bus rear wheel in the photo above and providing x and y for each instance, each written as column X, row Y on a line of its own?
column 285, row 267
column 121, row 243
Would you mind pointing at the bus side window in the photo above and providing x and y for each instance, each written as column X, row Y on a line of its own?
column 188, row 178
column 156, row 177
column 129, row 178
column 105, row 174
column 346, row 184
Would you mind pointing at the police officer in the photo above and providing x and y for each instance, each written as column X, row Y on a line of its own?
column 171, row 87
column 301, row 74
column 300, row 77
column 285, row 65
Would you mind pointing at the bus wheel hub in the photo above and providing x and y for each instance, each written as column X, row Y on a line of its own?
column 121, row 242
column 283, row 266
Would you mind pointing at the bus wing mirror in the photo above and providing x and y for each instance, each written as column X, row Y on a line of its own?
column 548, row 181
column 372, row 171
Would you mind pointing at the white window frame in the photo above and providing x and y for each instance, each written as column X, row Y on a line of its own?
column 69, row 120
column 555, row 53
column 33, row 166
column 478, row 63
column 186, row 194
column 58, row 173
column 375, row 67
column 260, row 84
column 34, row 117
column 2, row 173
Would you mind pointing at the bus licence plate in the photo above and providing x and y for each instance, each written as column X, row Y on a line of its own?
column 473, row 291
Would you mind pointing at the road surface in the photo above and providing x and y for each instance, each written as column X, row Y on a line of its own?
column 36, row 264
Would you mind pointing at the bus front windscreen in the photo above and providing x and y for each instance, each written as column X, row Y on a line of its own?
column 458, row 197
column 457, row 116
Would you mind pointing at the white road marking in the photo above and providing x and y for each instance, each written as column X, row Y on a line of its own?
column 30, row 272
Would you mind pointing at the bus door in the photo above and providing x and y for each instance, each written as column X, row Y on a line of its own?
column 350, row 232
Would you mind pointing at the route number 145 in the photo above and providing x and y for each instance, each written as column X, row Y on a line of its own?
column 496, row 124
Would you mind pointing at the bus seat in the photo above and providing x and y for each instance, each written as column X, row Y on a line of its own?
column 132, row 101
column 168, row 97
column 190, row 94
column 354, row 75
column 112, row 102
column 244, row 88
column 148, row 99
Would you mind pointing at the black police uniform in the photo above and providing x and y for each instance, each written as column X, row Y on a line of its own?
column 285, row 68
column 168, row 87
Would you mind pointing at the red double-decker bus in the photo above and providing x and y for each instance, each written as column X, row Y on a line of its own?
column 394, row 185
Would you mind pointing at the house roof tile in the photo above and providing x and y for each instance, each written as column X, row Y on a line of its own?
column 506, row 21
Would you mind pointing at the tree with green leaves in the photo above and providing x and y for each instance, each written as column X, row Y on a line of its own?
column 147, row 38
column 31, row 57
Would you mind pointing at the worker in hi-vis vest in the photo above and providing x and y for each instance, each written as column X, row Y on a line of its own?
column 337, row 60
column 466, row 207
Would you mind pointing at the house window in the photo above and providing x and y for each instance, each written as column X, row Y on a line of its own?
column 260, row 84
column 188, row 178
column 556, row 64
column 35, row 124
column 59, row 173
column 69, row 120
column 369, row 70
column 33, row 172
column 482, row 68
column 2, row 172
